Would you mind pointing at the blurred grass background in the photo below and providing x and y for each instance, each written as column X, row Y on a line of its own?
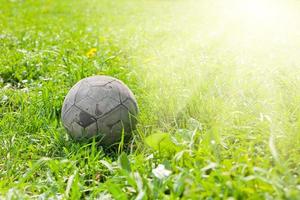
column 220, row 77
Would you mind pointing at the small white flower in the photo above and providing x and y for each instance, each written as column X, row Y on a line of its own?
column 4, row 98
column 161, row 172
column 8, row 85
column 26, row 90
column 24, row 51
column 150, row 157
column 105, row 196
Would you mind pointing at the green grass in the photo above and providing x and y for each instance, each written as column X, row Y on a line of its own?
column 219, row 100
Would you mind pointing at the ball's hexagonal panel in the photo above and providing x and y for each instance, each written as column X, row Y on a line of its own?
column 91, row 130
column 109, row 119
column 100, row 105
column 98, row 92
column 76, row 131
column 72, row 115
column 114, row 91
column 99, row 80
column 117, row 129
column 70, row 98
column 105, row 106
column 124, row 91
column 97, row 109
column 83, row 91
column 110, row 89
column 131, row 106
column 107, row 124
column 111, row 133
column 128, row 119
column 88, row 105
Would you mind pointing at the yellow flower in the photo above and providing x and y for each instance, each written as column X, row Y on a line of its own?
column 91, row 53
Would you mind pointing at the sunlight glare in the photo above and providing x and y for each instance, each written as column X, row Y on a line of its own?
column 258, row 13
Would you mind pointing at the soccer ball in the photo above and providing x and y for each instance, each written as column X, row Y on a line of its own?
column 100, row 106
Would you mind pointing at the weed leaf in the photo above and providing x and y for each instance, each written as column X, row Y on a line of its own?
column 124, row 162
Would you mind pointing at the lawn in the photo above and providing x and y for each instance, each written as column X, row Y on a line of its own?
column 217, row 83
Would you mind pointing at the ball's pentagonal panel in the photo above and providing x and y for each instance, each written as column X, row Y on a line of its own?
column 85, row 119
column 100, row 106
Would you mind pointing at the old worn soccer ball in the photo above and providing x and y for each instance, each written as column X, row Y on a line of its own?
column 102, row 107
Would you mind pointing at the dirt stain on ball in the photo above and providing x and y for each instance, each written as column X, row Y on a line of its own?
column 85, row 119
